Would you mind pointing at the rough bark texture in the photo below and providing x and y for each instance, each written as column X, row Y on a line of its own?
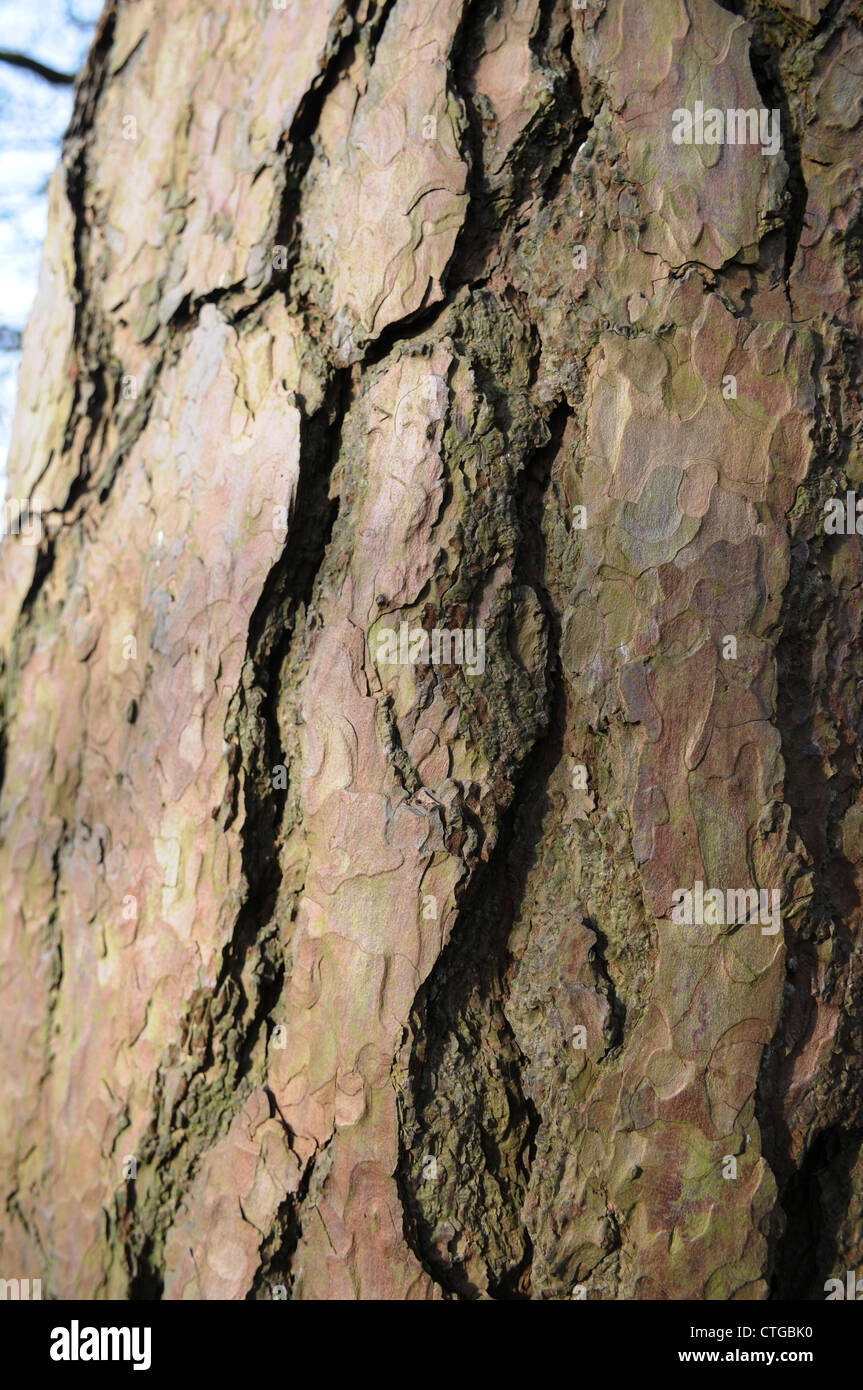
column 333, row 1015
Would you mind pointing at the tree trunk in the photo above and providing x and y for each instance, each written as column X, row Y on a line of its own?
column 435, row 600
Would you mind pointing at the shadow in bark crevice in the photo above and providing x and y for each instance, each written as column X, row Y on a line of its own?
column 816, row 1200
column 805, row 1145
column 199, row 1086
column 466, row 1101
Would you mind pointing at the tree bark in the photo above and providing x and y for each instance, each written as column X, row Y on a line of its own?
column 338, row 967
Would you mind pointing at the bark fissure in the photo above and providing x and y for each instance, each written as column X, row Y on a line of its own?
column 823, row 782
column 465, row 1064
column 352, row 962
column 230, row 1021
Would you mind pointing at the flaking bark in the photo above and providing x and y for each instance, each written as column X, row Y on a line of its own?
column 370, row 313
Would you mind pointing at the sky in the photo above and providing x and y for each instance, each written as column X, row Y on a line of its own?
column 33, row 117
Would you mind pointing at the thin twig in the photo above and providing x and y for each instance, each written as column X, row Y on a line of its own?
column 23, row 60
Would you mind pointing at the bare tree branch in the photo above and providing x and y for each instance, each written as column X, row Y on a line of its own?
column 23, row 60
